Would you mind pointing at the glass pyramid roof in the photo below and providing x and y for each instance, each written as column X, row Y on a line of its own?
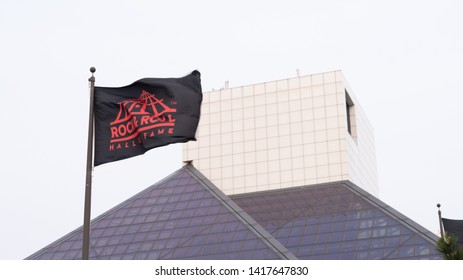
column 182, row 217
column 185, row 216
column 338, row 221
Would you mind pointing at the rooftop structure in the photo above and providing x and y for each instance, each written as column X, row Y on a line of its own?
column 294, row 132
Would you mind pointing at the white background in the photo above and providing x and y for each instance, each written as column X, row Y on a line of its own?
column 403, row 60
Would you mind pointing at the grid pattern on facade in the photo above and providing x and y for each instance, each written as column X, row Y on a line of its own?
column 261, row 137
column 277, row 134
column 178, row 218
column 333, row 222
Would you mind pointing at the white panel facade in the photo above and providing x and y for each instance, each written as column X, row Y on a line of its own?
column 281, row 134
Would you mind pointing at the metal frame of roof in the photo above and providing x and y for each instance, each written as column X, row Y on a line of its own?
column 289, row 212
column 250, row 224
column 199, row 195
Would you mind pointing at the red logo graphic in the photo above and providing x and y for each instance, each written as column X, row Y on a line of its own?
column 144, row 117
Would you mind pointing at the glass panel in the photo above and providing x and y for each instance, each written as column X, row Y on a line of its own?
column 324, row 215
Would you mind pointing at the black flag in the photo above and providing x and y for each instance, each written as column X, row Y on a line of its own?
column 149, row 113
column 454, row 227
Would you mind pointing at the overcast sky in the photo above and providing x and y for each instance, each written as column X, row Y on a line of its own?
column 402, row 59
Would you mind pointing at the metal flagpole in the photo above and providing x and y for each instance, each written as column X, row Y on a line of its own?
column 88, row 181
column 440, row 222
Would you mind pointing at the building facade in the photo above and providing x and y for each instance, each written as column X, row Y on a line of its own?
column 293, row 132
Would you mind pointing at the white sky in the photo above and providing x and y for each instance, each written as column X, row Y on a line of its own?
column 403, row 60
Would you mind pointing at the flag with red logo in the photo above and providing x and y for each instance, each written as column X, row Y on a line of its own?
column 149, row 113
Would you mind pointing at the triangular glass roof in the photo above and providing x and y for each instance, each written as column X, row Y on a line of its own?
column 338, row 221
column 185, row 216
column 182, row 217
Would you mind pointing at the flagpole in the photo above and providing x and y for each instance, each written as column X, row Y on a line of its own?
column 440, row 222
column 88, row 181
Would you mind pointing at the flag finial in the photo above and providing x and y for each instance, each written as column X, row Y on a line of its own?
column 92, row 79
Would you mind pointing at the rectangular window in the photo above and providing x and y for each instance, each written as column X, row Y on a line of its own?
column 350, row 115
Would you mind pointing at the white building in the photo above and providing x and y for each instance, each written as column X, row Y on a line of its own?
column 294, row 132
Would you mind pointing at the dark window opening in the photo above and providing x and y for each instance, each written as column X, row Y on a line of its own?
column 350, row 115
